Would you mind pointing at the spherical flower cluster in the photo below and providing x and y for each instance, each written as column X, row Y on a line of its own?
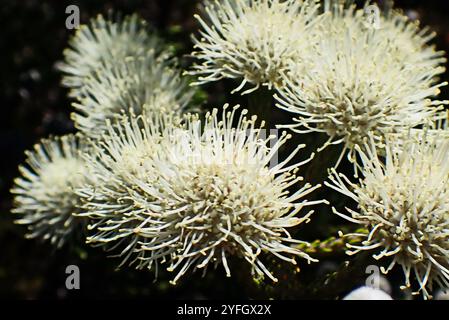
column 105, row 43
column 252, row 40
column 137, row 85
column 44, row 193
column 363, row 81
column 404, row 203
column 195, row 194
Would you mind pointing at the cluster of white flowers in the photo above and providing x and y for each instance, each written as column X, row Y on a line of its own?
column 362, row 85
column 362, row 81
column 159, row 187
column 335, row 72
column 45, row 192
column 136, row 86
column 191, row 196
column 106, row 42
column 116, row 67
column 404, row 203
column 253, row 40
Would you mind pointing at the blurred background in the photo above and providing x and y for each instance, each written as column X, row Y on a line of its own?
column 35, row 105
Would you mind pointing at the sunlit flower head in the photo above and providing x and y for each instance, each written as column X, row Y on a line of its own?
column 203, row 194
column 106, row 42
column 224, row 197
column 44, row 194
column 362, row 81
column 252, row 40
column 136, row 85
column 404, row 203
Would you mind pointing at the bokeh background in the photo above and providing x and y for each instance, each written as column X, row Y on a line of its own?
column 35, row 105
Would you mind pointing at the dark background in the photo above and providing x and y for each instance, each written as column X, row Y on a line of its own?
column 34, row 105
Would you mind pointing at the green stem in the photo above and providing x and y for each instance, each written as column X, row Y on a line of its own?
column 331, row 246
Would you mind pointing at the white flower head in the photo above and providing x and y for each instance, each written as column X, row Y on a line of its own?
column 105, row 42
column 205, row 193
column 252, row 40
column 137, row 85
column 361, row 81
column 44, row 193
column 404, row 203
